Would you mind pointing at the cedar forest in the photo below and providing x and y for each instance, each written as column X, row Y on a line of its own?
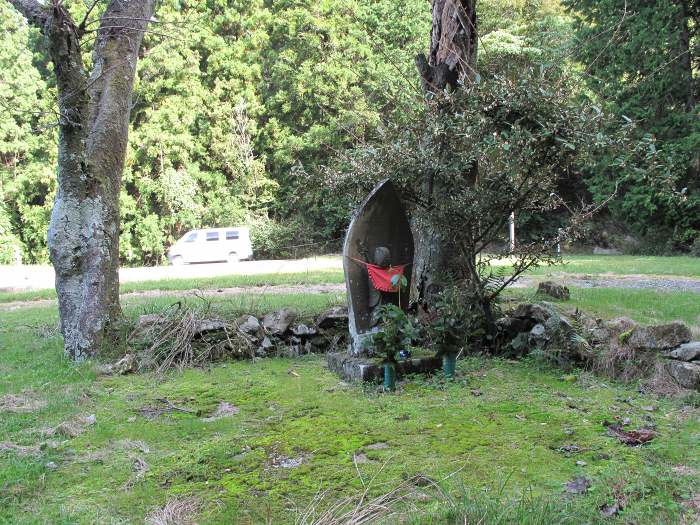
column 246, row 112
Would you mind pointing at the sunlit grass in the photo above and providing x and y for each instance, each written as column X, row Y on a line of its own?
column 643, row 305
column 495, row 447
column 619, row 265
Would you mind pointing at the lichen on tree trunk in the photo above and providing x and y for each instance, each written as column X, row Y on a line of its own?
column 93, row 130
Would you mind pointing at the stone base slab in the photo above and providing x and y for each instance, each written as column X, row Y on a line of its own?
column 371, row 370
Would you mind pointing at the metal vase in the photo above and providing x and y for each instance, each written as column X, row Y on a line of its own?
column 389, row 376
column 449, row 364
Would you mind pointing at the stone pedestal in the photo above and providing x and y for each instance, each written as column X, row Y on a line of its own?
column 357, row 369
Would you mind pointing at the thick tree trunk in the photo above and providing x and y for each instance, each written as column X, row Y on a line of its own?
column 93, row 128
column 452, row 59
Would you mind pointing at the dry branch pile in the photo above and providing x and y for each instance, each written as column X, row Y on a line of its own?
column 184, row 336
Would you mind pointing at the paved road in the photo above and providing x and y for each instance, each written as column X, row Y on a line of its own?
column 18, row 278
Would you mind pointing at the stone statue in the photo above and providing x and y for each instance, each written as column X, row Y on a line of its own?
column 382, row 258
column 379, row 234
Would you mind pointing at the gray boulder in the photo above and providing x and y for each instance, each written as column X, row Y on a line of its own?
column 266, row 346
column 205, row 326
column 302, row 330
column 686, row 352
column 249, row 325
column 620, row 325
column 512, row 326
column 599, row 335
column 536, row 312
column 538, row 335
column 277, row 323
column 335, row 317
column 686, row 375
column 553, row 289
column 659, row 337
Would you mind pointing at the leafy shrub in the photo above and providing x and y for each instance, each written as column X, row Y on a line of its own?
column 398, row 331
column 695, row 248
column 8, row 242
column 274, row 239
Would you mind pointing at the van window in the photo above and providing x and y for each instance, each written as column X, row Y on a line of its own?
column 212, row 236
column 231, row 235
column 191, row 237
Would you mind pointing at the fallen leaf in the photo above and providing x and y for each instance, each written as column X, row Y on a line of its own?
column 630, row 437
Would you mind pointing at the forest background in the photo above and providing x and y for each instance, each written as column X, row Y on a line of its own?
column 244, row 111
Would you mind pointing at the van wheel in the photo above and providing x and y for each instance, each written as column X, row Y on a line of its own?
column 177, row 260
column 233, row 257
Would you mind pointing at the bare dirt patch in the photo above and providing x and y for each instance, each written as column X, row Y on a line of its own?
column 21, row 403
column 19, row 450
column 71, row 429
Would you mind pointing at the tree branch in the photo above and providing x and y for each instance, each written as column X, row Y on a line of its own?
column 81, row 26
column 35, row 13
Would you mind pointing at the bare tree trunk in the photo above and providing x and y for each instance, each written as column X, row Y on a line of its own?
column 93, row 129
column 452, row 59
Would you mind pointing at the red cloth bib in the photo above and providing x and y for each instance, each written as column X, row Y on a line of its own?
column 381, row 277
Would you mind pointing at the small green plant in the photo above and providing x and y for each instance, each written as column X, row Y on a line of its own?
column 625, row 336
column 397, row 331
column 457, row 323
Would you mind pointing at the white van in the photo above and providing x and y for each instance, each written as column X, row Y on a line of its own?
column 212, row 245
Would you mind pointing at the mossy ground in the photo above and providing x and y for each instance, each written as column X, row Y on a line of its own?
column 497, row 429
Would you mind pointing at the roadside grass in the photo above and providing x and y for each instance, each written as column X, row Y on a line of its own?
column 209, row 283
column 621, row 265
column 643, row 305
column 301, row 432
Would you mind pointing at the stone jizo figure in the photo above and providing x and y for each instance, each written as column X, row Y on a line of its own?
column 379, row 243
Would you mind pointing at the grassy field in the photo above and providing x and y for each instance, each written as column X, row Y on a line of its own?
column 301, row 433
column 623, row 265
column 303, row 439
column 644, row 306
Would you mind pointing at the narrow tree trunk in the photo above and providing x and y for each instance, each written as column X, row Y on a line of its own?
column 452, row 59
column 93, row 129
